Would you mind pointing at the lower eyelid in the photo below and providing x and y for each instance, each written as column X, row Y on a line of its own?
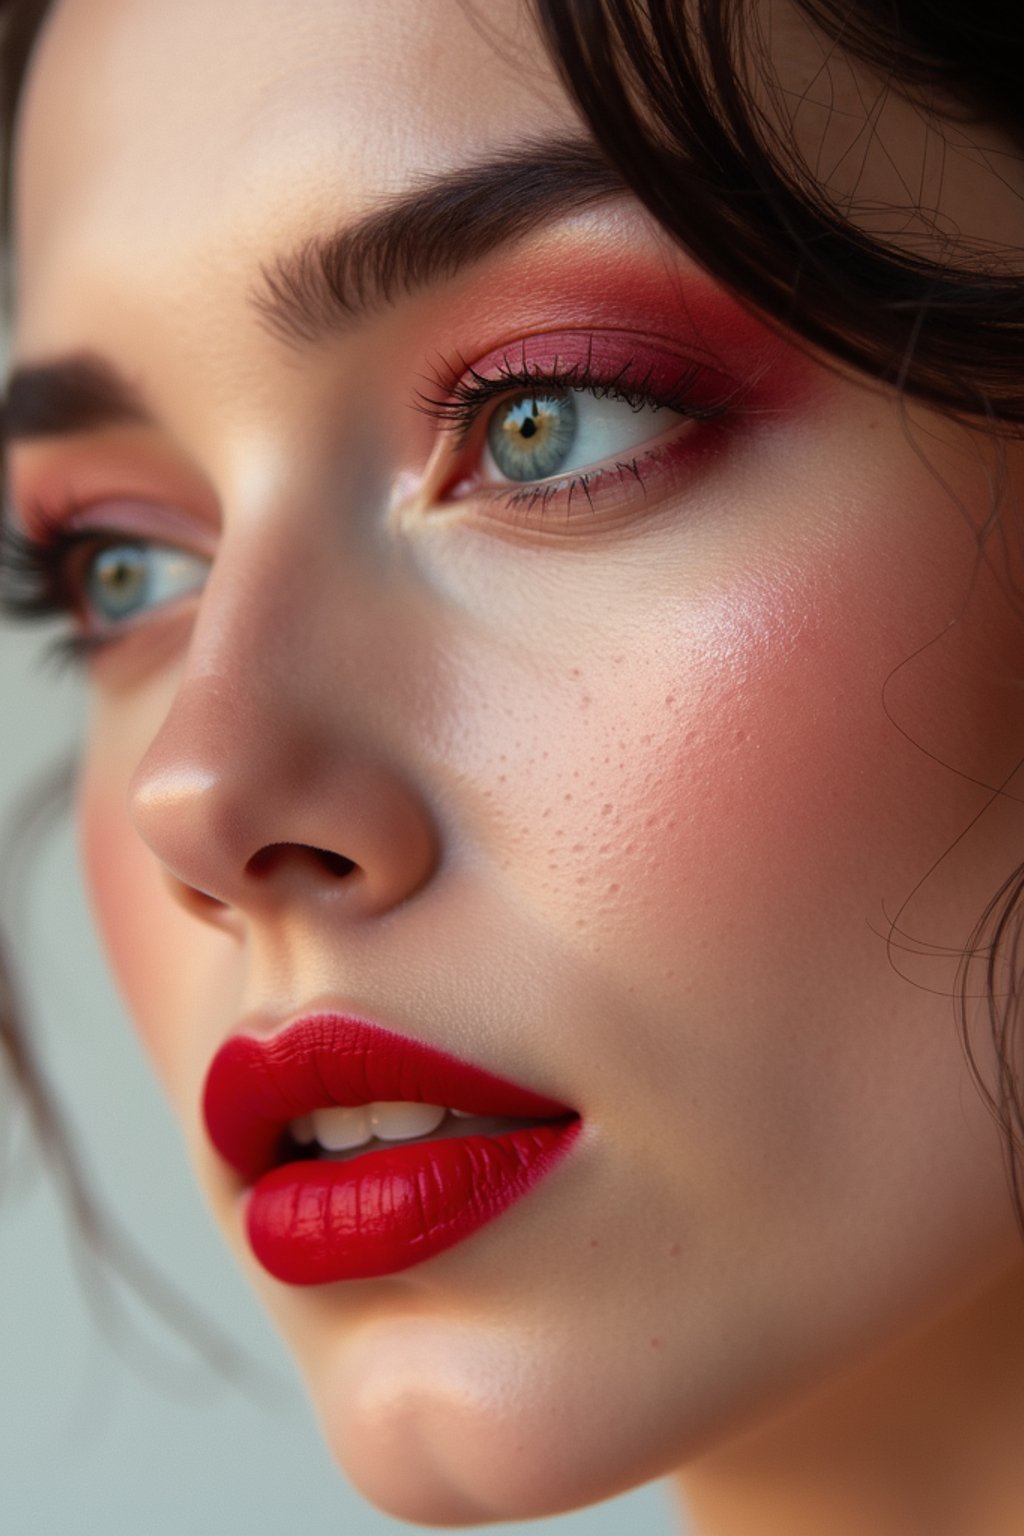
column 599, row 500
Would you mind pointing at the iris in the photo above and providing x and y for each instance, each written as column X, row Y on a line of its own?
column 531, row 434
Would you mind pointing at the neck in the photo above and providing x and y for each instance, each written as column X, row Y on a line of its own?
column 927, row 1441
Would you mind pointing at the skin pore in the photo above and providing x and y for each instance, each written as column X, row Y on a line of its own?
column 635, row 778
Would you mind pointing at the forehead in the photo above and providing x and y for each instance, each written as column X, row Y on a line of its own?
column 170, row 136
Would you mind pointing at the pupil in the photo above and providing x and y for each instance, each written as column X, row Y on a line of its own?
column 528, row 427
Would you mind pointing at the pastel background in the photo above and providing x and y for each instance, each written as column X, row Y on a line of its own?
column 128, row 1435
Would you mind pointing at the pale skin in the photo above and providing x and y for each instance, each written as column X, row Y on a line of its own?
column 632, row 795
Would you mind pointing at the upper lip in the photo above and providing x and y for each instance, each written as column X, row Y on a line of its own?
column 257, row 1085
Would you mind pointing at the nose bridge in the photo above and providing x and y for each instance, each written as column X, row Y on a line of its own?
column 278, row 763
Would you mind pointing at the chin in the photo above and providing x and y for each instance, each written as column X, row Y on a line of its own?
column 439, row 1427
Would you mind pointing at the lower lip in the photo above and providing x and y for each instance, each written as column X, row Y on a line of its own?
column 311, row 1223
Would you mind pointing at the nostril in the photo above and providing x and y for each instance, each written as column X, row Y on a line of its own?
column 334, row 863
column 270, row 858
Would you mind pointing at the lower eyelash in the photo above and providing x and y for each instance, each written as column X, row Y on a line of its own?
column 543, row 492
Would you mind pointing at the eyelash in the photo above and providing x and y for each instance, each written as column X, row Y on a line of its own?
column 36, row 581
column 464, row 395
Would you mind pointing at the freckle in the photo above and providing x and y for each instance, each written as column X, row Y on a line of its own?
column 578, row 848
column 586, row 701
column 567, row 797
column 673, row 1252
column 580, row 923
column 655, row 1343
column 670, row 700
column 544, row 757
column 645, row 741
column 546, row 814
column 614, row 889
column 606, row 810
column 595, row 1242
column 582, row 879
column 575, row 672
column 502, row 778
column 652, row 821
column 740, row 736
column 605, row 848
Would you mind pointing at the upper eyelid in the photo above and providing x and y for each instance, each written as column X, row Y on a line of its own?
column 154, row 513
column 462, row 419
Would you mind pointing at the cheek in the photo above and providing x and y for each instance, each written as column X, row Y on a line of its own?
column 167, row 966
column 770, row 772
column 124, row 886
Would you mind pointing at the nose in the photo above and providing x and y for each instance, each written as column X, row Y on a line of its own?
column 265, row 785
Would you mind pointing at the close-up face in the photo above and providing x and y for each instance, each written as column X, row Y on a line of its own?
column 500, row 639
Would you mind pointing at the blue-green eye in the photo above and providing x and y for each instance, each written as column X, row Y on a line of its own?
column 122, row 580
column 544, row 432
column 530, row 436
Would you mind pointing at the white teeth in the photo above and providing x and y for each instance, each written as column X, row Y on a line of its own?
column 340, row 1129
column 399, row 1121
column 337, row 1130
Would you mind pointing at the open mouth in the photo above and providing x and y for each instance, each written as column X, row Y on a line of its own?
column 366, row 1152
column 341, row 1134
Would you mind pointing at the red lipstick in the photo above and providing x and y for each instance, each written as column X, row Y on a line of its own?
column 313, row 1220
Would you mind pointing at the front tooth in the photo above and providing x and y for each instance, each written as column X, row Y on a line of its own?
column 338, row 1129
column 398, row 1120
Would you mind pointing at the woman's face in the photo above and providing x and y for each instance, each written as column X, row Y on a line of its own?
column 663, row 791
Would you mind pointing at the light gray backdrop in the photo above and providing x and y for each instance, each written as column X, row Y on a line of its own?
column 92, row 1444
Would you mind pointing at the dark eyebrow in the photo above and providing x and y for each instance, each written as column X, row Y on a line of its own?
column 74, row 394
column 332, row 281
column 428, row 234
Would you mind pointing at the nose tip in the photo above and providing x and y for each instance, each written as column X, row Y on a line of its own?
column 245, row 820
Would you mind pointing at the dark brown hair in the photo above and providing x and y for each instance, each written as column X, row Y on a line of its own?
column 669, row 89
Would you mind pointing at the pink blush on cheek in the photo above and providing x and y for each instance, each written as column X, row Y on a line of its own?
column 753, row 777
